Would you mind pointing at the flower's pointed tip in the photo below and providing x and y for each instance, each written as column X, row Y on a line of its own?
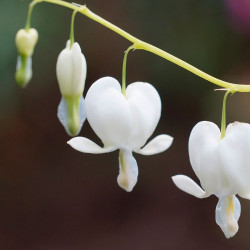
column 21, row 79
column 231, row 230
column 23, row 73
column 124, row 183
column 70, row 142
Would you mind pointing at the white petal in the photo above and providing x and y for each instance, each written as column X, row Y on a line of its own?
column 187, row 185
column 85, row 145
column 71, row 70
column 159, row 144
column 108, row 112
column 245, row 196
column 227, row 214
column 235, row 157
column 145, row 107
column 125, row 121
column 203, row 154
column 128, row 170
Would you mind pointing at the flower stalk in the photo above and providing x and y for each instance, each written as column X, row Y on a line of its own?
column 124, row 67
column 139, row 44
column 72, row 36
column 223, row 118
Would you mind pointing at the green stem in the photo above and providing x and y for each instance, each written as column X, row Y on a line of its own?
column 31, row 6
column 72, row 38
column 124, row 66
column 150, row 48
column 223, row 118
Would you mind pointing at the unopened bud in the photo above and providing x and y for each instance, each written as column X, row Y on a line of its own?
column 26, row 41
column 71, row 71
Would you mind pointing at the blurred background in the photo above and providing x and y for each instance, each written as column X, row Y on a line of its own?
column 53, row 197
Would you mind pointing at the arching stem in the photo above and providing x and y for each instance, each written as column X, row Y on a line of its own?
column 150, row 48
column 31, row 6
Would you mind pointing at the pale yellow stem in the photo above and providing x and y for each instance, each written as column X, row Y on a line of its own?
column 138, row 44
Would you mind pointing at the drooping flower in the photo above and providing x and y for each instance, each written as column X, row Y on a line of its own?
column 71, row 70
column 223, row 168
column 25, row 43
column 123, row 122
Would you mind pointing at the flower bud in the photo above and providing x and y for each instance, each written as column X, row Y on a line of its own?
column 26, row 41
column 71, row 71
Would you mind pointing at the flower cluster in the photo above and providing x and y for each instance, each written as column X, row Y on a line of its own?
column 125, row 118
column 123, row 121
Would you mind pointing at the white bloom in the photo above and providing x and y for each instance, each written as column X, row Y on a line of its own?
column 123, row 122
column 71, row 69
column 223, row 167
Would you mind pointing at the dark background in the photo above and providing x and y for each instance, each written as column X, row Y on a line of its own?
column 53, row 197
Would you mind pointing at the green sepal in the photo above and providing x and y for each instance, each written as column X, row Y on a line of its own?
column 73, row 119
column 24, row 70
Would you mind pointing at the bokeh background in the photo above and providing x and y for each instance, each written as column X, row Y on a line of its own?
column 53, row 197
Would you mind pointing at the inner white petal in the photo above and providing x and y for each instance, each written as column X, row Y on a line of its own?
column 227, row 214
column 128, row 170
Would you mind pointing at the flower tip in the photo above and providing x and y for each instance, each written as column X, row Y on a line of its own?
column 124, row 183
column 70, row 142
column 231, row 230
column 21, row 79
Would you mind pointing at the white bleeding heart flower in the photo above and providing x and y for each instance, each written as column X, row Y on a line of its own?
column 223, row 167
column 123, row 122
column 71, row 70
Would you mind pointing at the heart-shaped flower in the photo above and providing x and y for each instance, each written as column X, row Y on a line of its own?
column 123, row 122
column 223, row 167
